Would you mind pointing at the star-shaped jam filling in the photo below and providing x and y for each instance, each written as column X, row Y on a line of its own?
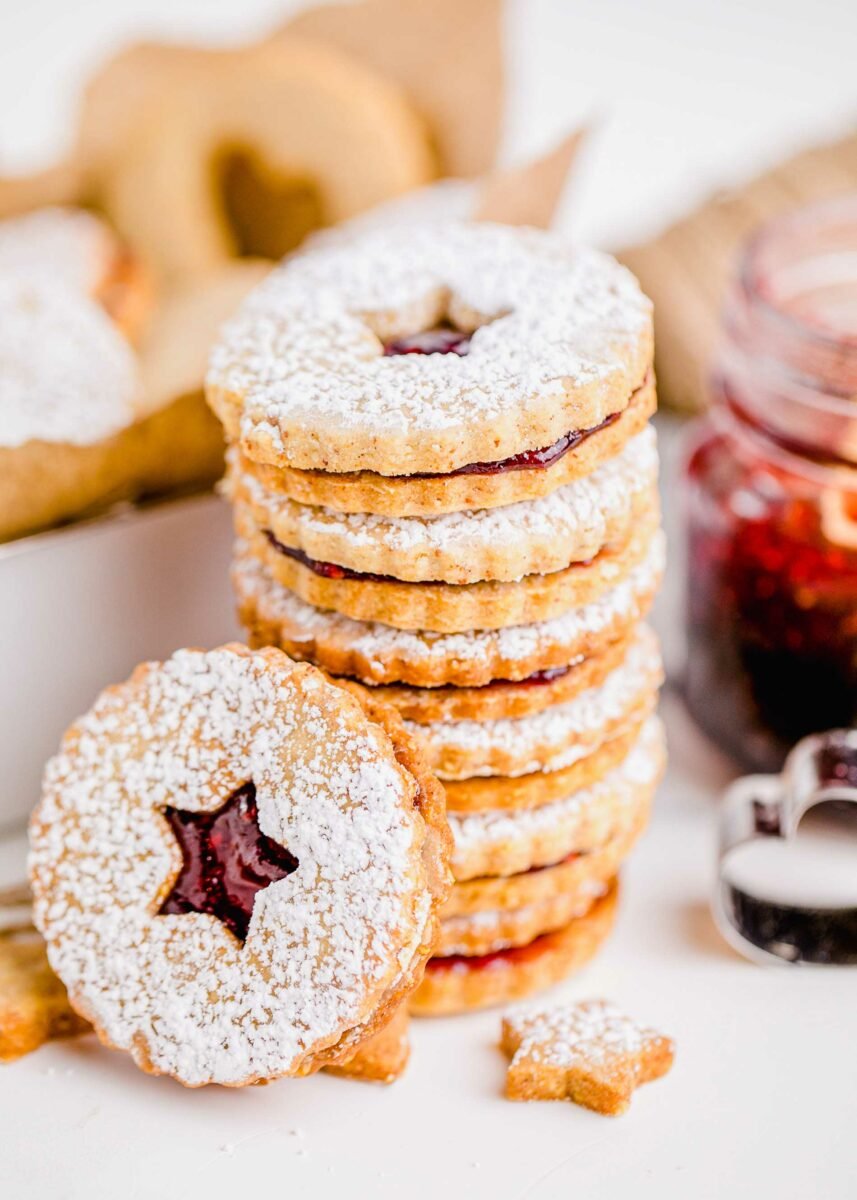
column 227, row 859
column 589, row 1053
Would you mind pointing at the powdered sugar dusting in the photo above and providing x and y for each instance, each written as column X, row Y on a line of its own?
column 554, row 737
column 593, row 1032
column 66, row 374
column 68, row 245
column 303, row 350
column 377, row 642
column 479, row 832
column 570, row 524
column 323, row 944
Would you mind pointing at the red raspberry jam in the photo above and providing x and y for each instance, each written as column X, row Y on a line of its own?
column 772, row 609
column 452, row 341
column 530, row 460
column 327, row 570
column 772, row 499
column 226, row 861
column 444, row 340
column 479, row 962
column 535, row 680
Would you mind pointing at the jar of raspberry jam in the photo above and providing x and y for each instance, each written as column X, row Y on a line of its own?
column 772, row 497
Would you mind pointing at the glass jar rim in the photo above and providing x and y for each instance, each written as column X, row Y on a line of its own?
column 752, row 273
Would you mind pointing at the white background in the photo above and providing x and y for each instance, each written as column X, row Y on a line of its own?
column 683, row 95
column 762, row 1098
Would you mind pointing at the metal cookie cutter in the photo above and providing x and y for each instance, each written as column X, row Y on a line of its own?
column 820, row 768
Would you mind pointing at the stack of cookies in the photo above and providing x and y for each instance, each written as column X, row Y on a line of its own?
column 445, row 490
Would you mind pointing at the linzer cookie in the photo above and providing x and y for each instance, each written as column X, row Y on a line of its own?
column 489, row 930
column 382, row 1058
column 571, row 525
column 525, row 476
column 34, row 1007
column 583, row 873
column 555, row 737
column 245, row 150
column 315, row 372
column 188, row 902
column 446, row 607
column 498, row 792
column 380, row 654
column 503, row 698
column 503, row 843
column 457, row 983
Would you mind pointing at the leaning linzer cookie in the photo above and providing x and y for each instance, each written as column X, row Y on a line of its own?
column 307, row 375
column 379, row 654
column 80, row 251
column 236, row 867
column 34, row 1009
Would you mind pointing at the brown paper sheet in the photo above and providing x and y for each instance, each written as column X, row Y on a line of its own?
column 529, row 194
column 60, row 184
column 447, row 55
column 687, row 268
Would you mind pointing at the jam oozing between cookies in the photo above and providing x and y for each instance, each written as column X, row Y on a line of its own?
column 227, row 859
column 511, row 955
column 530, row 460
column 327, row 570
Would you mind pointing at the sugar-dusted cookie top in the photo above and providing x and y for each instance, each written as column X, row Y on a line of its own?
column 588, row 1052
column 66, row 373
column 312, row 372
column 65, row 244
column 235, row 868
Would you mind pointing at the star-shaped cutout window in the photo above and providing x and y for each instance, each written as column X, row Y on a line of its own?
column 227, row 859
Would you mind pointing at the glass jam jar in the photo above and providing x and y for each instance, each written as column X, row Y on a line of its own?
column 771, row 490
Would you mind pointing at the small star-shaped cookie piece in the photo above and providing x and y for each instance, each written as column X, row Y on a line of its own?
column 33, row 1004
column 590, row 1053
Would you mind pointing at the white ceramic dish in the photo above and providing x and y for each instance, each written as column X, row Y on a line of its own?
column 79, row 607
